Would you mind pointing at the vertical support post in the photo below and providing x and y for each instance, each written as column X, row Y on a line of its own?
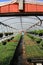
column 21, row 4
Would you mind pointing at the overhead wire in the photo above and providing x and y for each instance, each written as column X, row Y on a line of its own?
column 21, row 22
column 34, row 26
column 7, row 19
column 39, row 20
column 6, row 25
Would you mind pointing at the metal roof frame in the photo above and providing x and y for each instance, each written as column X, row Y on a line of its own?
column 21, row 14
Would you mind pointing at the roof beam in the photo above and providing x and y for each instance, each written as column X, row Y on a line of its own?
column 21, row 4
column 21, row 14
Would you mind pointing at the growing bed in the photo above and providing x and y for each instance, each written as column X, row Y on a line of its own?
column 37, row 32
column 7, row 51
column 32, row 49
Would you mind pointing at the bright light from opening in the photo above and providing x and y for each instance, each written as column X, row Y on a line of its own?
column 38, row 63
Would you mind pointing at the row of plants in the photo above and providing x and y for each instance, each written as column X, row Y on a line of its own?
column 37, row 32
column 41, row 45
column 33, row 50
column 7, row 51
column 37, row 39
column 7, row 40
column 6, row 34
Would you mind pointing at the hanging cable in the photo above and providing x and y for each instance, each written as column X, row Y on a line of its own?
column 33, row 25
column 21, row 22
column 7, row 19
column 6, row 25
column 39, row 20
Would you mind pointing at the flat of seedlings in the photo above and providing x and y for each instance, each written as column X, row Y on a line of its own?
column 32, row 49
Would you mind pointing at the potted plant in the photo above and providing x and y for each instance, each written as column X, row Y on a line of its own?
column 6, row 34
column 1, row 35
column 4, row 42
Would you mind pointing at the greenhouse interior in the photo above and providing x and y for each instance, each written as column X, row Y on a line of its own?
column 21, row 40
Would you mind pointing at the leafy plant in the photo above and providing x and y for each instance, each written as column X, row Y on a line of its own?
column 1, row 35
column 6, row 34
column 4, row 42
